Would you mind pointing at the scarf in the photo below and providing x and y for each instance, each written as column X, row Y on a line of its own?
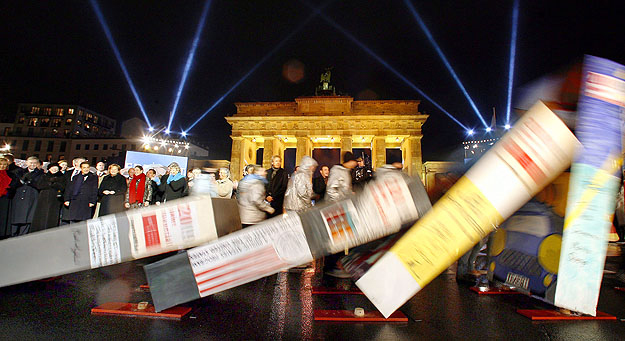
column 136, row 189
column 5, row 181
column 176, row 177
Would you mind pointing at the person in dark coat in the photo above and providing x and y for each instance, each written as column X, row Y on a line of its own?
column 82, row 194
column 8, row 183
column 174, row 185
column 25, row 199
column 112, row 191
column 69, row 175
column 154, row 181
column 320, row 182
column 48, row 210
column 278, row 181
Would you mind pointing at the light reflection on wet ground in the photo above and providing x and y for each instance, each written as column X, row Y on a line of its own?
column 282, row 307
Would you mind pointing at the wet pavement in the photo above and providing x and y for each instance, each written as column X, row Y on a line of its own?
column 281, row 307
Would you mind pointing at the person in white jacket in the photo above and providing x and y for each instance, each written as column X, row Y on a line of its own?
column 299, row 191
column 252, row 205
column 340, row 180
column 224, row 184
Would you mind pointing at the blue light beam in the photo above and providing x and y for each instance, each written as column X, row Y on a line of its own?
column 388, row 66
column 109, row 37
column 187, row 66
column 515, row 22
column 304, row 23
column 444, row 59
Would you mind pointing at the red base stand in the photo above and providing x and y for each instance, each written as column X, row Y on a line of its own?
column 494, row 291
column 335, row 291
column 542, row 314
column 619, row 288
column 349, row 316
column 132, row 310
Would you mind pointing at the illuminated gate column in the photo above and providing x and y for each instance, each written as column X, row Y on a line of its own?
column 268, row 143
column 346, row 144
column 236, row 161
column 378, row 151
column 272, row 146
column 303, row 148
column 413, row 161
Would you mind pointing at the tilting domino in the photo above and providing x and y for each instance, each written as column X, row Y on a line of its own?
column 528, row 157
column 593, row 185
column 116, row 238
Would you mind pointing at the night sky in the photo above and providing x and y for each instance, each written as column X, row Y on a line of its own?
column 57, row 52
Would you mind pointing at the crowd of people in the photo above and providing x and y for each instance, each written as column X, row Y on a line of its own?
column 36, row 198
column 265, row 193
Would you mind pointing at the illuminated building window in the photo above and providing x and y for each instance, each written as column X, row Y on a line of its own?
column 80, row 112
column 70, row 111
column 20, row 120
column 33, row 122
column 56, row 122
column 34, row 110
column 47, row 111
column 45, row 122
column 68, row 122
column 59, row 111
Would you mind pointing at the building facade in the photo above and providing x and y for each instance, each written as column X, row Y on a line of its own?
column 54, row 132
column 56, row 120
column 337, row 122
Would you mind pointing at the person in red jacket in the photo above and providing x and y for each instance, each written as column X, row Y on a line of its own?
column 138, row 193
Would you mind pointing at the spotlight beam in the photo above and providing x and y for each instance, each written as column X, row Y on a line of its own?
column 269, row 54
column 109, row 37
column 387, row 65
column 444, row 59
column 515, row 22
column 189, row 62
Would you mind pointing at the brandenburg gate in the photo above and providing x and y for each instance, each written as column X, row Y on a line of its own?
column 326, row 122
